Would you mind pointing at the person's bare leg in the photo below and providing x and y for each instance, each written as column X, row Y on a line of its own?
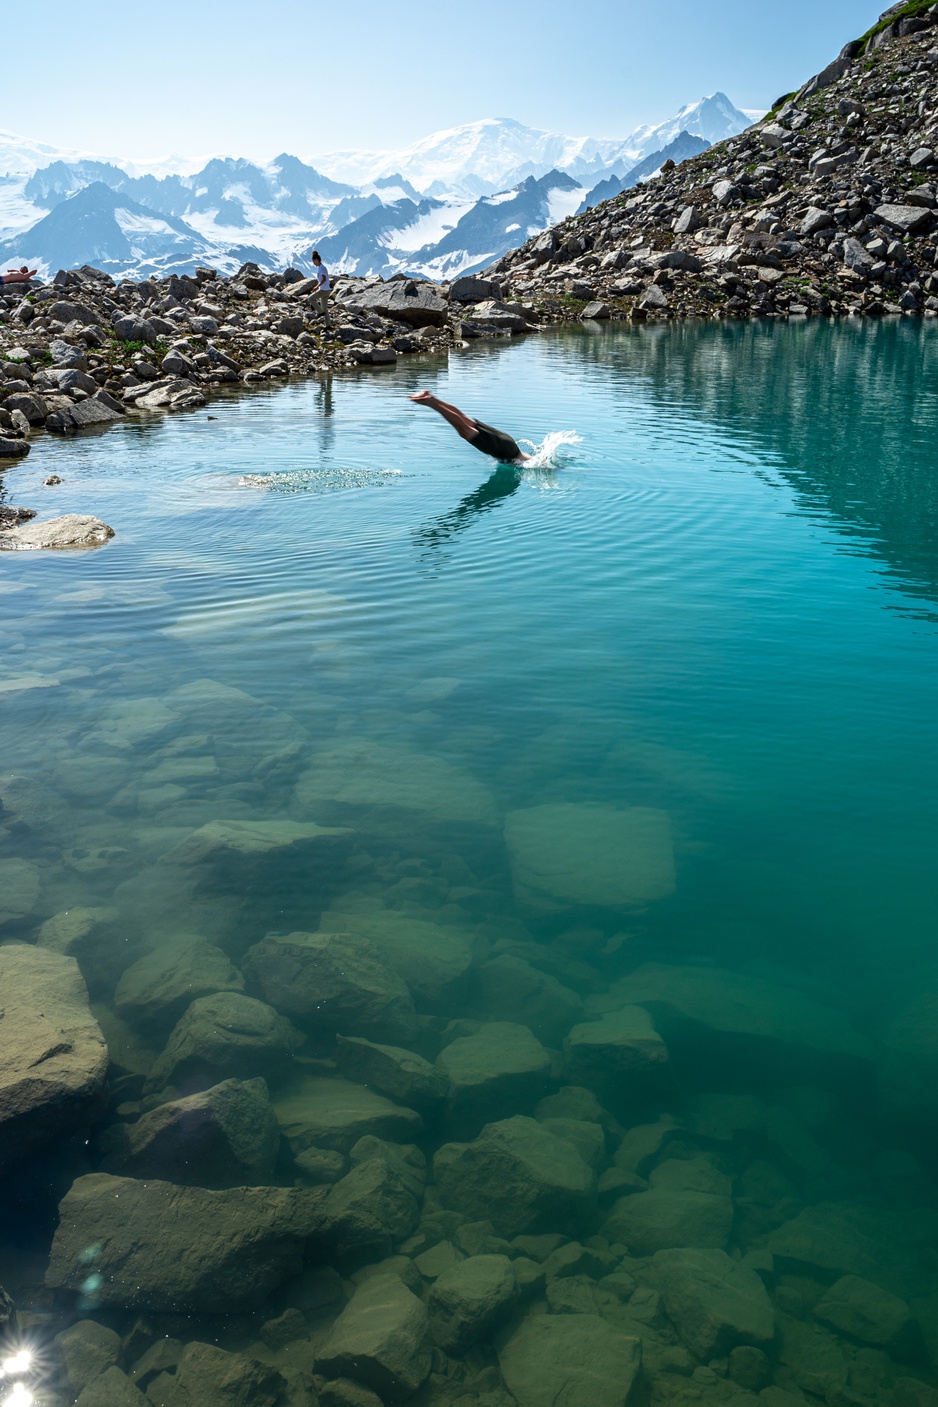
column 460, row 422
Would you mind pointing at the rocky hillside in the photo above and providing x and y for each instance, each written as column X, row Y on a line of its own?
column 829, row 205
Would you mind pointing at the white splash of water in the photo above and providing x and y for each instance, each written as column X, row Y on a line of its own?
column 548, row 453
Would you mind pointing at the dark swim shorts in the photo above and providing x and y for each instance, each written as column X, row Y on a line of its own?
column 495, row 442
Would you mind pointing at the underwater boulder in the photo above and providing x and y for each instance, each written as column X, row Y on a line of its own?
column 577, row 1359
column 314, row 1110
column 713, row 1301
column 225, row 1036
column 156, row 989
column 566, row 855
column 468, row 1300
column 500, row 1070
column 381, row 1339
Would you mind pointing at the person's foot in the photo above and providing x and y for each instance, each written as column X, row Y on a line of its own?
column 422, row 397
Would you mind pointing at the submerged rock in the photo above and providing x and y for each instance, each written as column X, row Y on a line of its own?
column 865, row 1311
column 500, row 1070
column 209, row 1376
column 381, row 1339
column 224, row 1036
column 53, row 1059
column 576, row 1359
column 128, row 1244
column 333, row 982
column 433, row 959
column 718, row 1020
column 267, row 854
column 330, row 1113
column 157, row 989
column 227, row 1136
column 368, row 1210
column 517, row 1175
column 616, row 1051
column 20, row 883
column 372, row 775
column 469, row 1300
column 70, row 531
column 400, row 1074
column 565, row 854
column 112, row 1388
column 713, row 1301
column 88, row 1349
column 687, row 1205
column 510, row 989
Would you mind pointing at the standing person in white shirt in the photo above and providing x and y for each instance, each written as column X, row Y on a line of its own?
column 320, row 299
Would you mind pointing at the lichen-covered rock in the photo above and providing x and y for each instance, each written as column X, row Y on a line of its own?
column 517, row 1175
column 713, row 1301
column 499, row 1070
column 576, row 1359
column 332, row 1113
column 467, row 1301
column 381, row 1339
column 226, row 1136
column 53, row 1059
column 333, row 982
column 565, row 855
column 155, row 1246
column 226, row 1036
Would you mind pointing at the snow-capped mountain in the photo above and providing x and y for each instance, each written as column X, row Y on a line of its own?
column 446, row 205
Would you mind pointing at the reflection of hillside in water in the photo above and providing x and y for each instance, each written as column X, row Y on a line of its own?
column 846, row 413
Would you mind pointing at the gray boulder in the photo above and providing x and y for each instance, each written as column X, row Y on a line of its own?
column 88, row 1349
column 62, row 311
column 29, row 404
column 333, row 982
column 906, row 219
column 223, row 1037
column 403, row 300
column 156, row 990
column 866, row 1312
column 671, row 1215
column 472, row 289
column 72, row 530
column 156, row 1246
column 330, row 1113
column 381, row 1339
column 714, row 1302
column 400, row 1074
column 816, row 219
column 227, row 1136
column 502, row 1068
column 467, row 1301
column 53, row 1059
column 856, row 257
column 131, row 328
column 208, row 1376
column 516, row 1174
column 96, row 410
column 577, row 1360
column 112, row 1389
column 725, row 192
column 12, row 449
column 434, row 959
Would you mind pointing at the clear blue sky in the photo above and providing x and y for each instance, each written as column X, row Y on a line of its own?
column 255, row 79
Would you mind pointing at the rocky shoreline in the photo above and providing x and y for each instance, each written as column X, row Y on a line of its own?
column 827, row 207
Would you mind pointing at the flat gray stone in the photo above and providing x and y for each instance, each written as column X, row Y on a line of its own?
column 907, row 219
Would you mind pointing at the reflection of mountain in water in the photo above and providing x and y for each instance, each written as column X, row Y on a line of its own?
column 846, row 414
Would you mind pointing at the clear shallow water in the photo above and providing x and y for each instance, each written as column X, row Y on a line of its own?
column 723, row 606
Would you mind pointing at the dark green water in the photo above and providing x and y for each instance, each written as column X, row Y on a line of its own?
column 697, row 663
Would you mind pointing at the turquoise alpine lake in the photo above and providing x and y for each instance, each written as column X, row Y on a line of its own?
column 571, row 828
